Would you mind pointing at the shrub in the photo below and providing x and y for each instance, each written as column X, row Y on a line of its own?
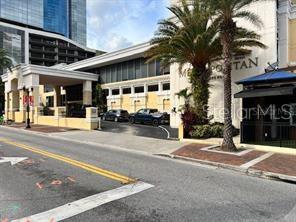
column 201, row 131
column 208, row 131
column 217, row 130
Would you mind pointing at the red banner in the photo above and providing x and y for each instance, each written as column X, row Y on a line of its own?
column 28, row 100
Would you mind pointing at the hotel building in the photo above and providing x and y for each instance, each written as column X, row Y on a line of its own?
column 129, row 83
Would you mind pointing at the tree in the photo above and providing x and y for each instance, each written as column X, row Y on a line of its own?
column 189, row 39
column 98, row 94
column 5, row 62
column 233, row 39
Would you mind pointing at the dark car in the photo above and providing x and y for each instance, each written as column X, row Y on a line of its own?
column 151, row 116
column 116, row 115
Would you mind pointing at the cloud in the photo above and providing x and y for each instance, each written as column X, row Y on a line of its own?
column 115, row 24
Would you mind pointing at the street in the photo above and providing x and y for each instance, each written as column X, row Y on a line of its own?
column 58, row 172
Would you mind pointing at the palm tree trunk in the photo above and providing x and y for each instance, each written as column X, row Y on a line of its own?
column 227, row 40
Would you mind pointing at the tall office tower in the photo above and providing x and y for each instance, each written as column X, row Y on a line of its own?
column 56, row 16
column 77, row 10
column 44, row 32
column 65, row 17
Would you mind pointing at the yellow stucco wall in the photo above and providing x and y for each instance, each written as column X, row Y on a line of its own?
column 292, row 40
column 20, row 116
column 126, row 103
column 79, row 123
column 166, row 105
column 152, row 100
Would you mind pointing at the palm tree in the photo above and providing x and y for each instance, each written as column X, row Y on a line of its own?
column 5, row 61
column 226, row 13
column 189, row 39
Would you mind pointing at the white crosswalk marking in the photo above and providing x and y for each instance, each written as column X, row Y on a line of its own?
column 85, row 204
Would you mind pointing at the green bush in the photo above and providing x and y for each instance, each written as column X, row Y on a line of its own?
column 201, row 131
column 210, row 130
column 217, row 131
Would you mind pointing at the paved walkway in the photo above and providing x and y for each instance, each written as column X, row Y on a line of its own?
column 270, row 164
column 122, row 141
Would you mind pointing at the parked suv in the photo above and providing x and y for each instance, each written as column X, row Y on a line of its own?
column 151, row 116
column 116, row 115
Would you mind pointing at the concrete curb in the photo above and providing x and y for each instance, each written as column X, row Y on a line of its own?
column 249, row 171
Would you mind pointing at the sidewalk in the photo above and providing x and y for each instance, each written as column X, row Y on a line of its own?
column 259, row 163
column 121, row 141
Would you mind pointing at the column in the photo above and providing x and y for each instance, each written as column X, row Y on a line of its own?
column 6, row 104
column 57, row 96
column 145, row 88
column 87, row 92
column 132, row 90
column 120, row 90
column 159, row 87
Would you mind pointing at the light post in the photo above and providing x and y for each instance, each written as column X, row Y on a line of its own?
column 27, row 107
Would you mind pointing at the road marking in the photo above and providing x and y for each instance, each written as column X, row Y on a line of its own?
column 161, row 127
column 106, row 173
column 88, row 203
column 12, row 160
column 291, row 216
column 255, row 161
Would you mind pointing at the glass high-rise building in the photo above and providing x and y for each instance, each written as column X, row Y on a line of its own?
column 65, row 17
column 56, row 16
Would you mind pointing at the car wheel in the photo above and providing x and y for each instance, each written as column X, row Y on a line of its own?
column 132, row 120
column 155, row 122
column 116, row 119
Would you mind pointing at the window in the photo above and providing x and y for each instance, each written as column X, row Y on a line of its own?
column 124, row 71
column 144, row 69
column 49, row 101
column 166, row 86
column 137, row 69
column 139, row 89
column 126, row 91
column 131, row 70
column 166, row 70
column 152, row 69
column 119, row 76
column 158, row 68
column 108, row 74
column 113, row 73
column 115, row 92
column 152, row 88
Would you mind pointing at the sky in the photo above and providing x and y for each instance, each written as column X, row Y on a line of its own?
column 117, row 24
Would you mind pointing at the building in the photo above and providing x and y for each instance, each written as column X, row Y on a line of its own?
column 131, row 84
column 64, row 17
column 33, row 46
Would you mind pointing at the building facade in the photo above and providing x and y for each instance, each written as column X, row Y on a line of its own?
column 130, row 83
column 64, row 17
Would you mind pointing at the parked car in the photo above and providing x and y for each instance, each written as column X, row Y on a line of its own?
column 116, row 115
column 151, row 116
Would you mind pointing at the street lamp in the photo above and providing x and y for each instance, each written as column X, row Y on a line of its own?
column 27, row 108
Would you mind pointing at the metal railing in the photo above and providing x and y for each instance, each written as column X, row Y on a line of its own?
column 268, row 134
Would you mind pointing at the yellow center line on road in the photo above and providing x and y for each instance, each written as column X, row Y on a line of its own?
column 91, row 168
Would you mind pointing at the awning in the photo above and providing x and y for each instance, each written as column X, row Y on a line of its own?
column 274, row 76
column 279, row 91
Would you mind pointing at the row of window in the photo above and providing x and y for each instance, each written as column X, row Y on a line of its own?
column 132, row 69
column 140, row 89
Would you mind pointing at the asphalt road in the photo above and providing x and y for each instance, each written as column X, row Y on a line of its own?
column 145, row 130
column 182, row 191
